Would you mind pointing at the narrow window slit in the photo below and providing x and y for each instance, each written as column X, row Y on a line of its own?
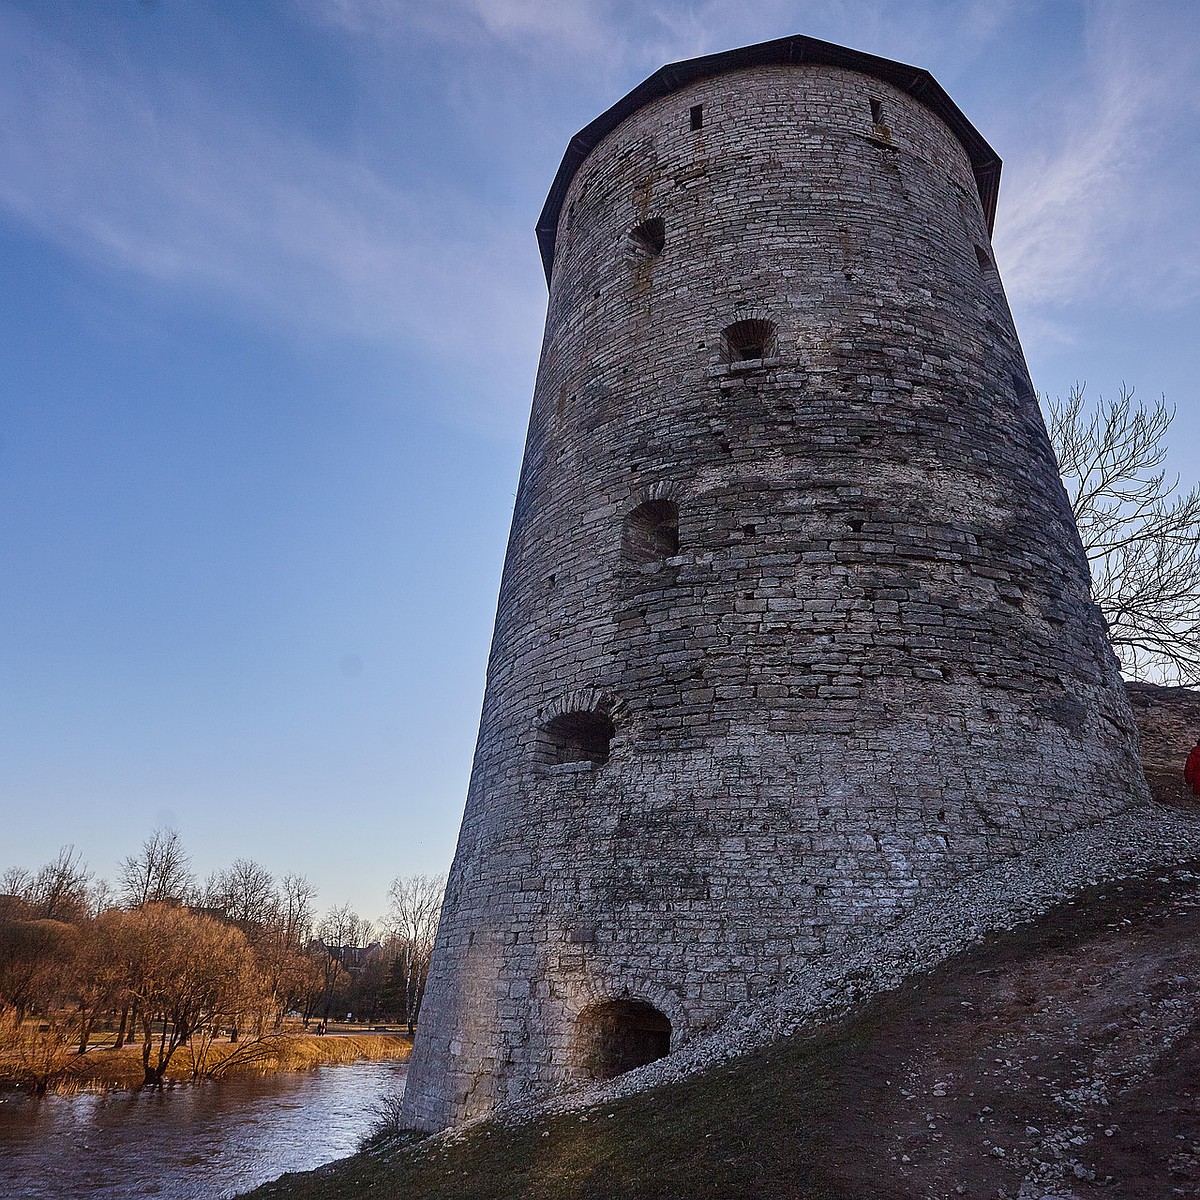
column 697, row 116
column 876, row 111
column 1022, row 387
column 985, row 259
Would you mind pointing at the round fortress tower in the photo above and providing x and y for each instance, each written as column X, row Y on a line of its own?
column 794, row 623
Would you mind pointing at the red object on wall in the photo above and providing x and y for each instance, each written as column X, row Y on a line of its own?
column 1191, row 772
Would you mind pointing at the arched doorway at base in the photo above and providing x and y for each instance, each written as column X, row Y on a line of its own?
column 614, row 1036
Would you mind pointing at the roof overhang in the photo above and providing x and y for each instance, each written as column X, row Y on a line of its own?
column 675, row 76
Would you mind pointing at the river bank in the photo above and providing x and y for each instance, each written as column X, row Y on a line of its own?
column 106, row 1068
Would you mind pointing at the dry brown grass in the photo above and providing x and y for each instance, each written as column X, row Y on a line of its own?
column 104, row 1068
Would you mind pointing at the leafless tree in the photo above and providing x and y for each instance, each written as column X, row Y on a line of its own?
column 182, row 969
column 60, row 890
column 1142, row 538
column 14, row 882
column 246, row 894
column 99, row 980
column 100, row 897
column 415, row 905
column 280, row 945
column 36, row 958
column 296, row 909
column 342, row 926
column 159, row 874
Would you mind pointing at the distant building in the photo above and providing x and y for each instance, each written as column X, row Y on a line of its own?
column 352, row 958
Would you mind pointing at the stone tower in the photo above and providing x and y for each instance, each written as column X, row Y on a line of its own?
column 794, row 621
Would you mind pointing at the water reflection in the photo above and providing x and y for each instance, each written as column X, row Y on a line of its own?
column 188, row 1143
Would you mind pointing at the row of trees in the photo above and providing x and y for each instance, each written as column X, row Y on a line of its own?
column 175, row 963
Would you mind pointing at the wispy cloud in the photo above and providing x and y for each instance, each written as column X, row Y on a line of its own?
column 582, row 28
column 1100, row 201
column 913, row 30
column 162, row 178
column 606, row 33
column 181, row 188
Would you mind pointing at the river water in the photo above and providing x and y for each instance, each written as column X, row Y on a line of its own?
column 201, row 1142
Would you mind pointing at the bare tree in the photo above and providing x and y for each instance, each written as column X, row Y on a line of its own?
column 100, row 897
column 99, row 979
column 1142, row 539
column 342, row 926
column 15, row 883
column 36, row 958
column 245, row 892
column 415, row 905
column 60, row 890
column 280, row 945
column 296, row 909
column 182, row 969
column 160, row 873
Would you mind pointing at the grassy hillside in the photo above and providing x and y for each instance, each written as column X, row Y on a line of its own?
column 1061, row 1059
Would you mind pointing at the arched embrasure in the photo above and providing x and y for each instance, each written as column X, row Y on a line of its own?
column 746, row 340
column 649, row 237
column 579, row 737
column 651, row 532
column 615, row 1036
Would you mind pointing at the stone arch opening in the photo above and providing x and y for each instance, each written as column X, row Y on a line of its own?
column 651, row 532
column 581, row 736
column 746, row 340
column 615, row 1036
column 649, row 238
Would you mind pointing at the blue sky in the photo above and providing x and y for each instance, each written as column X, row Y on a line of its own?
column 269, row 319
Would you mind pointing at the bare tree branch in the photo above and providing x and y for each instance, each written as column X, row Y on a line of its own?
column 1142, row 539
column 160, row 873
column 415, row 907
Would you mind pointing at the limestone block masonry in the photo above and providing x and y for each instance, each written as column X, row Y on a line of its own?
column 794, row 623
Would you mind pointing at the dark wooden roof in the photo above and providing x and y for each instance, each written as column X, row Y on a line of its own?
column 672, row 78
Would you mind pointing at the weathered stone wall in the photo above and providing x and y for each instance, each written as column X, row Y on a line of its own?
column 872, row 665
column 1168, row 720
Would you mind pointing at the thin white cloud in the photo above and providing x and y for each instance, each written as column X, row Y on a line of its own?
column 608, row 33
column 574, row 24
column 182, row 189
column 1101, row 203
column 571, row 25
column 911, row 31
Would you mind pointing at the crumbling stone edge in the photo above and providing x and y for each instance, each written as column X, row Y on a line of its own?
column 943, row 924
